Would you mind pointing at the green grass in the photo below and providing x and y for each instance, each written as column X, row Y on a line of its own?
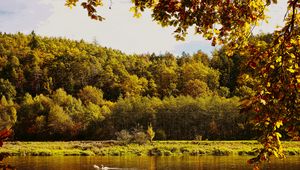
column 157, row 148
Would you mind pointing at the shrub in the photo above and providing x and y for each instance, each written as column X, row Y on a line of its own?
column 140, row 137
column 150, row 132
column 124, row 136
column 198, row 137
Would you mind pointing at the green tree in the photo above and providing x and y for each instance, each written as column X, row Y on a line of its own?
column 7, row 89
column 199, row 56
column 164, row 70
column 229, row 67
column 60, row 123
column 8, row 113
column 8, row 117
column 197, row 70
column 32, row 117
column 34, row 42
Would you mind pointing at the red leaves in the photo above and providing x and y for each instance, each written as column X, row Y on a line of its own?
column 252, row 64
column 4, row 134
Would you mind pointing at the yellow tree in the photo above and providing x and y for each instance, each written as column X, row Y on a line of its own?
column 150, row 132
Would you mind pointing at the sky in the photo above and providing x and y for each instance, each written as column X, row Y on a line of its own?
column 120, row 30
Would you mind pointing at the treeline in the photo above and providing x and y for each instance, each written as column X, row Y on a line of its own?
column 59, row 89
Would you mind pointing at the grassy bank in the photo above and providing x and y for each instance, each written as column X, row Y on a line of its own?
column 157, row 148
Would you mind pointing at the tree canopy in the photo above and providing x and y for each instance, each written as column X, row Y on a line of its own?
column 72, row 90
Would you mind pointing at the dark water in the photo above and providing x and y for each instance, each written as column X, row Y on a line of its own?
column 147, row 163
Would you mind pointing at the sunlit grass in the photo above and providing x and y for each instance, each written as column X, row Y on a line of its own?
column 157, row 148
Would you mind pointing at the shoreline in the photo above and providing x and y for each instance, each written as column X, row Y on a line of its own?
column 157, row 148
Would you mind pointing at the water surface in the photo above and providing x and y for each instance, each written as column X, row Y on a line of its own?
column 147, row 163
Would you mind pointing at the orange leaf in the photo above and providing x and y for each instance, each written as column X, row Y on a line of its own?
column 5, row 133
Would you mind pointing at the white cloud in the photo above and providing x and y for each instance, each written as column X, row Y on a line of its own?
column 120, row 30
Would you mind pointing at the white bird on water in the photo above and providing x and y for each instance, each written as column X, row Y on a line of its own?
column 96, row 167
column 103, row 167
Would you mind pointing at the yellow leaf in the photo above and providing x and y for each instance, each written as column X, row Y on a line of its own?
column 278, row 59
column 135, row 11
column 263, row 101
column 216, row 31
column 246, row 77
column 278, row 124
column 278, row 135
column 298, row 78
column 291, row 70
column 292, row 55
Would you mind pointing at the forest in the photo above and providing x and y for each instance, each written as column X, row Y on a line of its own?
column 61, row 89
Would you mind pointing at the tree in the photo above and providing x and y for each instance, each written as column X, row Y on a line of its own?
column 150, row 132
column 164, row 70
column 60, row 123
column 34, row 42
column 133, row 86
column 8, row 112
column 197, row 70
column 196, row 88
column 8, row 117
column 277, row 99
column 91, row 94
column 231, row 21
column 229, row 67
column 7, row 89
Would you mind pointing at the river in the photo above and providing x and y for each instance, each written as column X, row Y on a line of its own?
column 147, row 163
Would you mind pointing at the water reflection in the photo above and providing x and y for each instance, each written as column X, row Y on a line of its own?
column 3, row 165
column 147, row 163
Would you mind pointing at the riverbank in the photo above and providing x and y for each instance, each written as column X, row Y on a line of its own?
column 157, row 148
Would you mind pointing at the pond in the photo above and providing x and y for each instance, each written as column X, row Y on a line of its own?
column 147, row 163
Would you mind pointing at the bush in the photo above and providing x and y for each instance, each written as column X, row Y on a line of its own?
column 198, row 137
column 136, row 136
column 124, row 136
column 140, row 137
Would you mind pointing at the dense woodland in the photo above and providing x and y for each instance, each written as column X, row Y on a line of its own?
column 60, row 89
